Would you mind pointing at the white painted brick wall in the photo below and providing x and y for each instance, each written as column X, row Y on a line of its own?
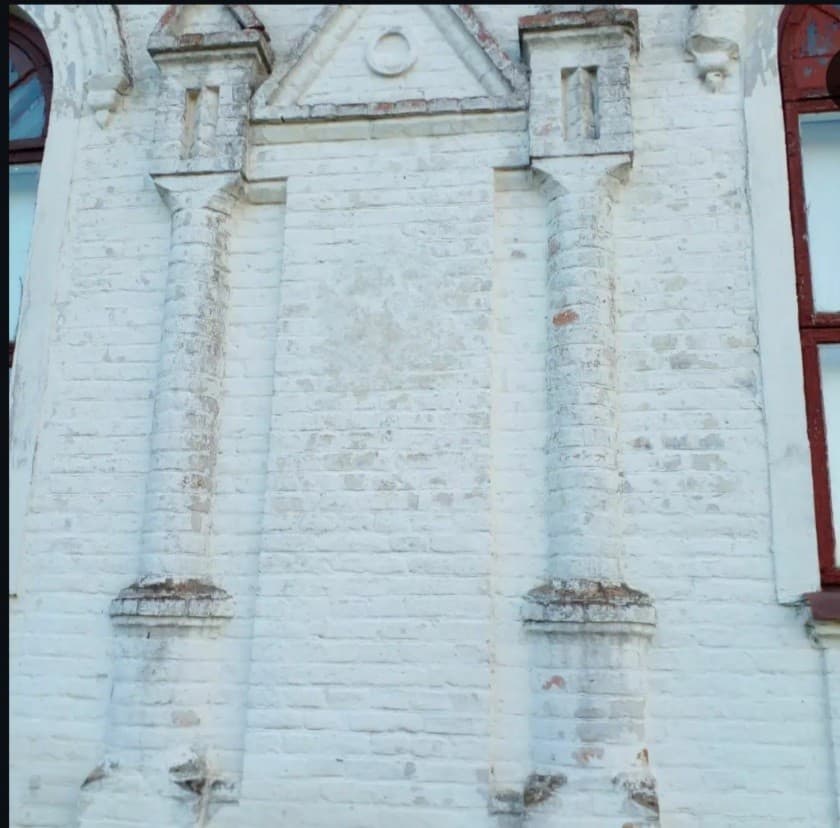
column 379, row 504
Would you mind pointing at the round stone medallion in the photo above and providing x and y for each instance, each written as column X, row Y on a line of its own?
column 390, row 53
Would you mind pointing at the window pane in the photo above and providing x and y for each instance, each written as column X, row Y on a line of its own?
column 23, row 186
column 27, row 110
column 820, row 136
column 19, row 64
column 830, row 375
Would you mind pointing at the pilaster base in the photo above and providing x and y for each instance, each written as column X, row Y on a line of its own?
column 589, row 752
column 584, row 606
column 164, row 602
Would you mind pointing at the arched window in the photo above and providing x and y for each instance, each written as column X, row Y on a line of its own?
column 30, row 89
column 809, row 39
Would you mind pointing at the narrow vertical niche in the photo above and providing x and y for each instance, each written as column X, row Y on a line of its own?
column 190, row 123
column 208, row 117
column 579, row 86
column 565, row 83
column 589, row 102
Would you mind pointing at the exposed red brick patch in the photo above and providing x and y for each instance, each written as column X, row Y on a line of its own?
column 555, row 681
column 191, row 39
column 584, row 755
column 565, row 317
column 167, row 15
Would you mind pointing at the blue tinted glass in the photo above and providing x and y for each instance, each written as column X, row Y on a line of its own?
column 23, row 187
column 27, row 110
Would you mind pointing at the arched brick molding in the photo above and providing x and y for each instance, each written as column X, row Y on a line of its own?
column 88, row 50
column 88, row 55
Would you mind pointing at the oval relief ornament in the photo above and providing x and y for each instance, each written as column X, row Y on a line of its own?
column 390, row 53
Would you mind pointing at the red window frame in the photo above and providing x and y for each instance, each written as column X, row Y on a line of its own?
column 809, row 36
column 26, row 38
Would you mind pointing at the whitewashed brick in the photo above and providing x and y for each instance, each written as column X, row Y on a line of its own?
column 380, row 476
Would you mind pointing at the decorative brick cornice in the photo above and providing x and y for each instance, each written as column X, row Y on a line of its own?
column 625, row 19
column 382, row 109
column 245, row 34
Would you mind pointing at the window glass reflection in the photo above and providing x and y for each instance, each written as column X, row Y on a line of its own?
column 23, row 186
column 27, row 110
column 820, row 138
column 830, row 376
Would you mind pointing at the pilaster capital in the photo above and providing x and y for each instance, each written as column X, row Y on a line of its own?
column 200, row 36
column 211, row 59
column 585, row 173
column 580, row 81
column 217, row 192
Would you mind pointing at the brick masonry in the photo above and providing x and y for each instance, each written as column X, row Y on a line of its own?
column 381, row 496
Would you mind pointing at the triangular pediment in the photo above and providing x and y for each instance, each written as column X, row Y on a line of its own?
column 372, row 60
